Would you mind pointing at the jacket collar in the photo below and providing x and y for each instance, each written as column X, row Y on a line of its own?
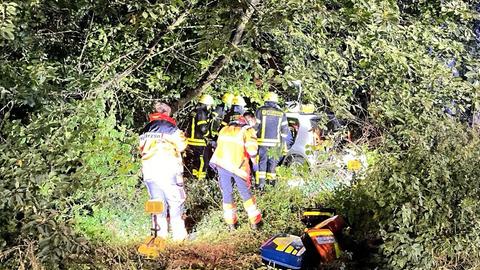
column 161, row 116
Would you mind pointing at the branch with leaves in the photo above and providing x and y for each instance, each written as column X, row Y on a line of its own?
column 149, row 52
column 212, row 72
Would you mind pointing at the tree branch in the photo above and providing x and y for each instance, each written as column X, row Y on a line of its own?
column 148, row 53
column 85, row 43
column 212, row 72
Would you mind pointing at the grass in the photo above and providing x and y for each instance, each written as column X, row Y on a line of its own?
column 116, row 229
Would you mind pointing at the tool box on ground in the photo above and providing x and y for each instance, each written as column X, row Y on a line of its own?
column 321, row 243
column 317, row 245
column 284, row 251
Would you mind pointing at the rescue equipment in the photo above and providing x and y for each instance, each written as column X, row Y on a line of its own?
column 321, row 240
column 313, row 216
column 317, row 245
column 152, row 246
column 283, row 250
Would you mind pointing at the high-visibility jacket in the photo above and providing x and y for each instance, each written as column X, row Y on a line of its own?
column 236, row 145
column 272, row 125
column 161, row 144
column 198, row 129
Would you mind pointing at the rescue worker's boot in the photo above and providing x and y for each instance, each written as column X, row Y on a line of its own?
column 232, row 227
column 260, row 177
column 230, row 215
column 179, row 233
column 254, row 215
column 271, row 178
column 256, row 226
column 162, row 226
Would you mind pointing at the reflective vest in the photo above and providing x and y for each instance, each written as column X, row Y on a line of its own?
column 272, row 125
column 236, row 145
column 198, row 129
column 161, row 143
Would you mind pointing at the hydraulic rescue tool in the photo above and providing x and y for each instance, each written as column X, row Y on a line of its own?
column 152, row 246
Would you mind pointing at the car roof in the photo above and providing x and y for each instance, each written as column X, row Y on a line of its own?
column 303, row 115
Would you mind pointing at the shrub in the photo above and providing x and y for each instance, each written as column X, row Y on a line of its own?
column 51, row 171
column 421, row 198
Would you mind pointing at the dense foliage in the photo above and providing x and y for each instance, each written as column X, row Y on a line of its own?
column 78, row 77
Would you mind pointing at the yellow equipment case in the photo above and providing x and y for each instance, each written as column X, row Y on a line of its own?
column 284, row 251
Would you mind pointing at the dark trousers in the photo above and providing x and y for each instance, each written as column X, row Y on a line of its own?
column 266, row 166
column 226, row 180
column 207, row 155
column 196, row 162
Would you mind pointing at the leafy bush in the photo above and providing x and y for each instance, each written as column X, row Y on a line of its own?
column 52, row 170
column 421, row 198
column 76, row 77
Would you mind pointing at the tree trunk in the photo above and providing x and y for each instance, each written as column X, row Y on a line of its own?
column 212, row 72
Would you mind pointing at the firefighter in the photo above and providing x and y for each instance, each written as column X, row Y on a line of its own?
column 272, row 129
column 198, row 135
column 219, row 113
column 216, row 119
column 236, row 147
column 161, row 144
column 237, row 110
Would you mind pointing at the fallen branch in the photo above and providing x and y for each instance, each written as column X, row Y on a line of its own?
column 212, row 72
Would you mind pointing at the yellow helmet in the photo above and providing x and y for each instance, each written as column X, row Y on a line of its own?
column 271, row 96
column 206, row 99
column 308, row 108
column 227, row 98
column 238, row 100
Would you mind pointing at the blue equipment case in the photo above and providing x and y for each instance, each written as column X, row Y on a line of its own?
column 284, row 250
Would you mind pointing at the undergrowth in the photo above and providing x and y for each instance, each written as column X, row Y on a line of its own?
column 116, row 229
column 387, row 215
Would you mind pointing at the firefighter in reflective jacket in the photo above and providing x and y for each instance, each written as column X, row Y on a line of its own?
column 272, row 130
column 219, row 113
column 198, row 133
column 161, row 143
column 236, row 146
column 237, row 110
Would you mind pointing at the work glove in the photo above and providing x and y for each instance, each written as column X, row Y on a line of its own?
column 213, row 144
column 284, row 149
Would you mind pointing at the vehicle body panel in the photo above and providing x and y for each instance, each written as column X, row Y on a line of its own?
column 305, row 137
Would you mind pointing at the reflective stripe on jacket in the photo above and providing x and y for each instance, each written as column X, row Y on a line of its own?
column 236, row 145
column 198, row 129
column 272, row 125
